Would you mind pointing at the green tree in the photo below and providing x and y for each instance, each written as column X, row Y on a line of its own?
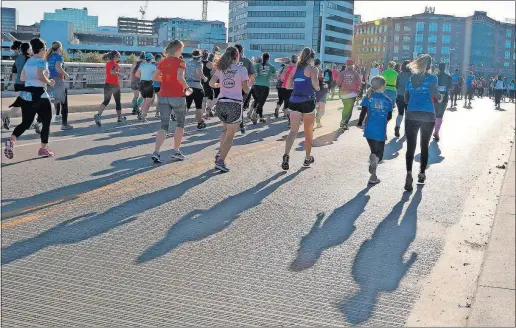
column 131, row 59
column 92, row 57
column 66, row 57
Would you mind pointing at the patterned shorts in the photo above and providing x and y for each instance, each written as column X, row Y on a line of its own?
column 229, row 112
column 169, row 105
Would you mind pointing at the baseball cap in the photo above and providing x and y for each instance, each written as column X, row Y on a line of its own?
column 349, row 62
column 148, row 56
column 196, row 53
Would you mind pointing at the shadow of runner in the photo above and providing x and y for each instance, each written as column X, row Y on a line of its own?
column 200, row 224
column 335, row 230
column 91, row 225
column 326, row 139
column 392, row 149
column 434, row 154
column 379, row 265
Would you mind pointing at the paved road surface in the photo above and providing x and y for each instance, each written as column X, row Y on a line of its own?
column 99, row 236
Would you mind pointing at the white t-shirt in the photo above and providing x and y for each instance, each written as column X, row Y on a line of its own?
column 231, row 83
column 375, row 71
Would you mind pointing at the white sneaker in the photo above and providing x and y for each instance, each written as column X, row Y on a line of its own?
column 177, row 154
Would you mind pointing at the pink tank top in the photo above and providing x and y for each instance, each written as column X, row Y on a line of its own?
column 289, row 71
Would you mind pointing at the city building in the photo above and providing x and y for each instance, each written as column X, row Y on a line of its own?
column 9, row 19
column 80, row 19
column 477, row 42
column 192, row 30
column 108, row 29
column 283, row 28
column 356, row 20
column 135, row 26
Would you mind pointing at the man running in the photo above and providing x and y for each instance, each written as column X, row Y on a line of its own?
column 349, row 83
column 194, row 78
column 390, row 76
column 470, row 89
column 455, row 92
column 444, row 84
column 135, row 84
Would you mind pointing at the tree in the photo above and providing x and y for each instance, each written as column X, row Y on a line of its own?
column 66, row 57
column 131, row 59
column 92, row 57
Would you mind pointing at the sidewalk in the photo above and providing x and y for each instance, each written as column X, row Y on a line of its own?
column 494, row 303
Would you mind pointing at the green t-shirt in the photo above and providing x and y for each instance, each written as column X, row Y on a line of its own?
column 263, row 74
column 390, row 77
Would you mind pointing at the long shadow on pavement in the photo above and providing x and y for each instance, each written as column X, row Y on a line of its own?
column 91, row 225
column 335, row 230
column 200, row 224
column 326, row 139
column 392, row 149
column 379, row 265
column 434, row 154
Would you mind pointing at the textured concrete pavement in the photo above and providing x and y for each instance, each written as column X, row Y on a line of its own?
column 99, row 236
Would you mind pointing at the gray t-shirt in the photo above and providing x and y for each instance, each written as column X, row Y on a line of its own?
column 191, row 76
column 248, row 65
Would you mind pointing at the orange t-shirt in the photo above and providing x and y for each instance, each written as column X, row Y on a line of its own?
column 112, row 79
column 170, row 86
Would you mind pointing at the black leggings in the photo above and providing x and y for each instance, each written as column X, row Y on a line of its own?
column 43, row 108
column 260, row 93
column 401, row 104
column 284, row 97
column 63, row 109
column 412, row 128
column 498, row 96
column 376, row 147
column 112, row 90
column 363, row 114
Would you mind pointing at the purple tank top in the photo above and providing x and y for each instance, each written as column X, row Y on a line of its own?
column 303, row 89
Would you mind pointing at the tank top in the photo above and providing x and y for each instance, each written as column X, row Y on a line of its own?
column 303, row 89
column 205, row 70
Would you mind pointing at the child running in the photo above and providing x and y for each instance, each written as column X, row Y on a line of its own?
column 379, row 107
column 144, row 74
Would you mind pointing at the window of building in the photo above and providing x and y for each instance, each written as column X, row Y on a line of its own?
column 256, row 3
column 397, row 27
column 396, row 49
column 272, row 25
column 446, row 39
column 340, row 19
column 406, row 38
column 407, row 28
column 384, row 38
column 277, row 47
column 331, row 5
column 337, row 52
column 406, row 47
column 432, row 27
column 338, row 29
column 418, row 49
column 383, row 49
column 432, row 38
column 506, row 64
column 432, row 50
column 447, row 27
column 507, row 55
column 337, row 40
column 445, row 60
column 507, row 43
column 445, row 50
column 396, row 38
column 508, row 33
column 419, row 37
column 277, row 36
column 420, row 26
column 284, row 13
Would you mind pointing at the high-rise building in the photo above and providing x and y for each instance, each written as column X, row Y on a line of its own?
column 283, row 28
column 135, row 26
column 80, row 19
column 9, row 19
column 192, row 30
column 477, row 42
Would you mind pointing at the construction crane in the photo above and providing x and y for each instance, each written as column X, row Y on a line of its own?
column 143, row 9
column 205, row 8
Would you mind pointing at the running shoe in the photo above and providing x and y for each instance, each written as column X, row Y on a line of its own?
column 421, row 177
column 309, row 161
column 284, row 164
column 201, row 125
column 58, row 118
column 135, row 111
column 156, row 158
column 66, row 127
column 122, row 119
column 262, row 120
column 37, row 128
column 177, row 154
column 276, row 112
column 408, row 182
column 6, row 122
column 9, row 148
column 242, row 128
column 221, row 166
column 374, row 179
column 397, row 131
column 45, row 152
column 97, row 119
column 373, row 164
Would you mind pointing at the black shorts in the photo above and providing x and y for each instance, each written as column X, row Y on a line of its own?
column 196, row 97
column 305, row 107
column 208, row 91
column 216, row 93
column 19, row 87
column 135, row 85
column 146, row 89
column 156, row 89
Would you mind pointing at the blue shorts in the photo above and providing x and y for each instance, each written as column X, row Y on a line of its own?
column 391, row 94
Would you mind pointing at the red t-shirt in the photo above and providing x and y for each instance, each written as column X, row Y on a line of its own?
column 170, row 86
column 112, row 79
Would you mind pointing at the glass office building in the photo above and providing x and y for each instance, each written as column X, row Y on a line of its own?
column 9, row 19
column 80, row 19
column 192, row 30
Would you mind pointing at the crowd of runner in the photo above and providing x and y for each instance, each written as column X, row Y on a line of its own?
column 227, row 83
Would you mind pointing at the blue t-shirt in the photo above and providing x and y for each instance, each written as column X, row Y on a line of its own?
column 455, row 78
column 420, row 99
column 378, row 108
column 52, row 60
column 469, row 80
column 19, row 62
column 147, row 69
column 511, row 86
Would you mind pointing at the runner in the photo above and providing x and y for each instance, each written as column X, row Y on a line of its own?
column 334, row 76
column 375, row 71
column 349, row 83
column 455, row 92
column 262, row 84
column 233, row 84
column 492, row 82
column 470, row 89
column 144, row 75
column 512, row 90
column 288, row 91
column 22, row 55
column 444, row 85
column 171, row 73
column 420, row 91
column 156, row 84
column 461, row 87
column 320, row 96
column 33, row 100
column 279, row 86
column 304, row 82
column 329, row 80
column 401, row 83
column 209, row 100
column 58, row 92
column 135, row 85
column 111, row 87
column 379, row 106
column 252, row 73
column 194, row 77
column 499, row 88
column 390, row 76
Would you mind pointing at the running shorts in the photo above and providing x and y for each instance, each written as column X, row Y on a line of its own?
column 391, row 94
column 146, row 89
column 208, row 91
column 196, row 97
column 305, row 107
column 229, row 112
column 157, row 89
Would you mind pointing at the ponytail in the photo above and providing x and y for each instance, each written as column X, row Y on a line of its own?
column 56, row 45
column 377, row 83
column 265, row 59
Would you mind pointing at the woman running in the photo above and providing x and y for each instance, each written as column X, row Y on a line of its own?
column 320, row 96
column 304, row 82
column 194, row 78
column 288, row 91
column 156, row 84
column 262, row 84
column 233, row 82
column 34, row 99
column 135, row 84
column 280, row 89
column 401, row 83
column 171, row 72
column 144, row 75
column 111, row 87
column 444, row 85
column 498, row 91
column 349, row 83
column 379, row 109
column 58, row 92
column 419, row 95
column 209, row 99
column 22, row 55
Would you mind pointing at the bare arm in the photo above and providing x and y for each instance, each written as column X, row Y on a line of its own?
column 138, row 73
column 43, row 78
column 314, row 75
column 213, row 82
column 181, row 78
column 200, row 74
column 290, row 80
column 60, row 70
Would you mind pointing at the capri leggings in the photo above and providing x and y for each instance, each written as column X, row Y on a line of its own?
column 412, row 128
column 112, row 90
column 169, row 105
column 43, row 108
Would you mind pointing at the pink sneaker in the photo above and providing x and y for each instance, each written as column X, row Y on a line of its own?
column 45, row 152
column 9, row 148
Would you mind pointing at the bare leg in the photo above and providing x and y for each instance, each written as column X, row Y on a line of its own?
column 226, row 139
column 178, row 137
column 146, row 106
column 160, row 138
column 308, row 120
column 295, row 122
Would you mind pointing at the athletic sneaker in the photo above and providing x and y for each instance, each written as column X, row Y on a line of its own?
column 220, row 165
column 262, row 120
column 66, row 127
column 421, row 177
column 308, row 161
column 156, row 158
column 242, row 128
column 201, row 125
column 276, row 112
column 121, row 119
column 374, row 179
column 6, row 121
column 37, row 128
column 177, row 154
column 408, row 182
column 9, row 148
column 58, row 118
column 397, row 132
column 373, row 164
column 284, row 164
column 97, row 119
column 45, row 152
